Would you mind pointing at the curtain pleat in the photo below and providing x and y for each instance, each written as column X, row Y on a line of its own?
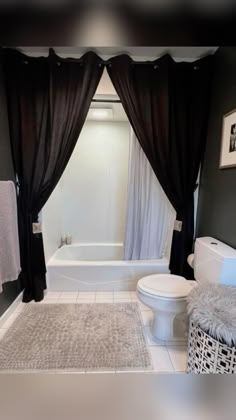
column 167, row 104
column 48, row 101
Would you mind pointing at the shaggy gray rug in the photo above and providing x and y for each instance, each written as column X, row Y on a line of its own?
column 75, row 337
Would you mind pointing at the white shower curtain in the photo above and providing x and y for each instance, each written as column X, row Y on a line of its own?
column 150, row 216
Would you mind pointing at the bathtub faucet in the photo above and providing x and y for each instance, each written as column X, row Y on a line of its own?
column 65, row 240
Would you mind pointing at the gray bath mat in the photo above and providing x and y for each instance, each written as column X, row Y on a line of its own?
column 75, row 337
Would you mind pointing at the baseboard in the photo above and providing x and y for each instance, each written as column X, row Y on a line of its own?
column 12, row 306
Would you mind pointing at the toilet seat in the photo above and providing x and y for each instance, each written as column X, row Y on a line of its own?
column 160, row 298
column 165, row 286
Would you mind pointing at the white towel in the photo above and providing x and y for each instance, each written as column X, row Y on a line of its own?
column 9, row 238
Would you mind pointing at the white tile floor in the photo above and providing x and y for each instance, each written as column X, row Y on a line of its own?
column 167, row 357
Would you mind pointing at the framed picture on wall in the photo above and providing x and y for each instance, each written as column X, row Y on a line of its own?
column 228, row 142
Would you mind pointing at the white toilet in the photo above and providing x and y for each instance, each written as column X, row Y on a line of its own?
column 166, row 294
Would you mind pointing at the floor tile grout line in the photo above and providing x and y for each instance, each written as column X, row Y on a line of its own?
column 51, row 292
column 172, row 366
column 170, row 359
column 176, row 345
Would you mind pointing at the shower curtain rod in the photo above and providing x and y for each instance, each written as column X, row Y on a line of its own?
column 70, row 59
column 109, row 101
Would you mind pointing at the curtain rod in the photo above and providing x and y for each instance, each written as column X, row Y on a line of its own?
column 107, row 62
column 109, row 101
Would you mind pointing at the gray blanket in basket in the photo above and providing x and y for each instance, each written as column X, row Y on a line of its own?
column 213, row 308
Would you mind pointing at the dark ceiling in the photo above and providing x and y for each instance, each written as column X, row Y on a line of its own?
column 57, row 24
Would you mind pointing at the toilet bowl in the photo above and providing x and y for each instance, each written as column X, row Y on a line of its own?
column 165, row 295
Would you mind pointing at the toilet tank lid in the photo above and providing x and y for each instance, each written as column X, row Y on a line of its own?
column 222, row 250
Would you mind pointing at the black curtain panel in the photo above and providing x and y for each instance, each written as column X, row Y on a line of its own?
column 167, row 104
column 48, row 100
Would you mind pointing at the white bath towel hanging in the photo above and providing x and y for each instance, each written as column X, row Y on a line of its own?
column 9, row 238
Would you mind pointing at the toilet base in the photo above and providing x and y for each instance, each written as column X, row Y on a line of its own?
column 170, row 327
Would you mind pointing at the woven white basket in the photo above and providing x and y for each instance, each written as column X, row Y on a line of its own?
column 207, row 355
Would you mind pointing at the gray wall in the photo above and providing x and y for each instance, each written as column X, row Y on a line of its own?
column 11, row 289
column 6, row 167
column 217, row 199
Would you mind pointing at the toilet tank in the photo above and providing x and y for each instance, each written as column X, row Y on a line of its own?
column 214, row 262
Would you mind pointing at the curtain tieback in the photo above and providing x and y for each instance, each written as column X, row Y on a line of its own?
column 36, row 228
column 178, row 225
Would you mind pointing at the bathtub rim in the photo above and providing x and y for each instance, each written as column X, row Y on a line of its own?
column 57, row 262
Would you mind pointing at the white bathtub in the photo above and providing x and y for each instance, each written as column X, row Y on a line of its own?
column 97, row 267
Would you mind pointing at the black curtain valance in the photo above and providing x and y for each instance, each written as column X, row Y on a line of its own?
column 48, row 101
column 167, row 104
